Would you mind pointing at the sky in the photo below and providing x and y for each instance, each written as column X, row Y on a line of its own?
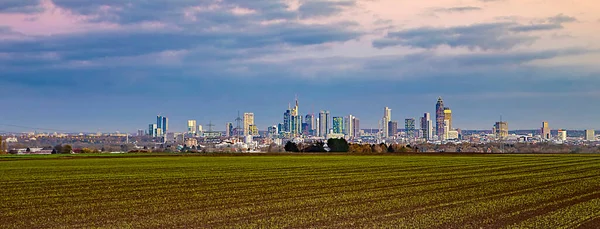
column 113, row 65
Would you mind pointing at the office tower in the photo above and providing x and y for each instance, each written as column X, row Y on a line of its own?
column 159, row 122
column 545, row 131
column 141, row 132
column 165, row 125
column 152, row 130
column 159, row 132
column 356, row 126
column 448, row 117
column 229, row 129
column 409, row 126
column 349, row 125
column 253, row 130
column 191, row 127
column 248, row 120
column 392, row 128
column 287, row 121
column 272, row 131
column 590, row 135
column 323, row 123
column 439, row 118
column 387, row 117
column 426, row 127
column 309, row 119
column 305, row 129
column 338, row 123
column 280, row 128
column 501, row 130
column 296, row 120
column 562, row 135
column 446, row 130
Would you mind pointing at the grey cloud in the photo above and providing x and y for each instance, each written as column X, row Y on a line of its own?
column 321, row 8
column 457, row 9
column 19, row 6
column 499, row 35
column 484, row 36
column 535, row 27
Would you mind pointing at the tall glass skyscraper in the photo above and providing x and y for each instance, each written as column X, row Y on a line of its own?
column 439, row 118
column 323, row 123
column 338, row 125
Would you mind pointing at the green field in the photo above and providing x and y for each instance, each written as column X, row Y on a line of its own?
column 319, row 191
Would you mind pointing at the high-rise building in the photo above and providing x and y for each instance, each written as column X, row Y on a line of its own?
column 590, row 135
column 248, row 120
column 387, row 117
column 165, row 125
column 272, row 131
column 159, row 122
column 427, row 127
column 152, row 130
column 296, row 120
column 229, row 129
column 140, row 132
column 338, row 123
column 200, row 129
column 356, row 127
column 448, row 117
column 392, row 128
column 446, row 130
column 287, row 121
column 439, row 118
column 545, row 131
column 323, row 123
column 501, row 130
column 409, row 126
column 309, row 119
column 253, row 130
column 562, row 135
column 191, row 127
column 349, row 126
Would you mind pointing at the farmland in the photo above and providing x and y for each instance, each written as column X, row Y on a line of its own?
column 324, row 191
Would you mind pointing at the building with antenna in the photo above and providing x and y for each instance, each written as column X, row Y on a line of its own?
column 501, row 130
column 385, row 122
column 439, row 118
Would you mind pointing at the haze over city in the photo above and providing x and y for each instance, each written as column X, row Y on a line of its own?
column 115, row 65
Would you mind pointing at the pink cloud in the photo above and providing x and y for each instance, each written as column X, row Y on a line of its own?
column 52, row 20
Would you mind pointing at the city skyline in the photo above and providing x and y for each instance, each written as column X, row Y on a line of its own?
column 106, row 65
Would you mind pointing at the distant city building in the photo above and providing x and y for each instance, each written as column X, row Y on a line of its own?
column 409, row 127
column 562, row 135
column 338, row 123
column 545, row 131
column 191, row 142
column 501, row 130
column 427, row 127
column 356, row 127
column 309, row 119
column 248, row 121
column 296, row 121
column 387, row 117
column 448, row 117
column 439, row 118
column 323, row 123
column 272, row 131
column 590, row 135
column 253, row 130
column 200, row 129
column 392, row 128
column 141, row 132
column 446, row 130
column 191, row 127
column 162, row 126
column 152, row 130
column 229, row 129
column 349, row 126
column 452, row 135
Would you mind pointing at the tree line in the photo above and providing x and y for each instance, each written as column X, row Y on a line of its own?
column 342, row 146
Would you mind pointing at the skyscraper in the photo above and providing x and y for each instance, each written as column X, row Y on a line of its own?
column 165, row 125
column 409, row 126
column 229, row 129
column 545, row 131
column 248, row 120
column 349, row 126
column 392, row 127
column 448, row 117
column 439, row 118
column 427, row 127
column 287, row 121
column 501, row 130
column 323, row 123
column 152, row 130
column 356, row 126
column 590, row 135
column 191, row 127
column 387, row 117
column 562, row 135
column 309, row 119
column 296, row 120
column 338, row 123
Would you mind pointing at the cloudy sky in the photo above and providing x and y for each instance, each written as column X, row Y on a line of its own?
column 108, row 65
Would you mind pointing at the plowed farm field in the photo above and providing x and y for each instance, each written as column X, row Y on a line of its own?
column 301, row 191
